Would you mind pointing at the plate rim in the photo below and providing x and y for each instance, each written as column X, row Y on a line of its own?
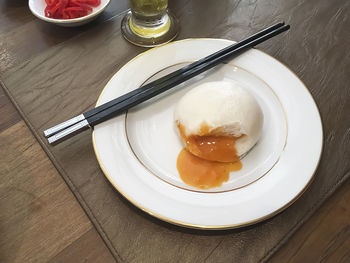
column 222, row 191
column 197, row 226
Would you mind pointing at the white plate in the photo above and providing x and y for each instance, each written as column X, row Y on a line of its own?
column 37, row 7
column 137, row 151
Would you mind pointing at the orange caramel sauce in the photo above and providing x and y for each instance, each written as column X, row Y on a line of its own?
column 208, row 159
column 202, row 173
column 210, row 145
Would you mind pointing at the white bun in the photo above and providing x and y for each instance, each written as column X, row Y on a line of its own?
column 223, row 106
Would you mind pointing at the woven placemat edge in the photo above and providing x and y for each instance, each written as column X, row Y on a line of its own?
column 65, row 177
column 313, row 209
column 99, row 228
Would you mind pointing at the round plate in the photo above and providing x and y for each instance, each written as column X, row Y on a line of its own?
column 137, row 151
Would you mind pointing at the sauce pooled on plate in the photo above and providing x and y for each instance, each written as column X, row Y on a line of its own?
column 208, row 159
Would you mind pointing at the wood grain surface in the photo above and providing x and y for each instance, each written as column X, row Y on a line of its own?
column 59, row 222
column 40, row 219
column 325, row 237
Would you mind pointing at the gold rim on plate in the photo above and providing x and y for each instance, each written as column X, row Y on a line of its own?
column 195, row 226
column 199, row 191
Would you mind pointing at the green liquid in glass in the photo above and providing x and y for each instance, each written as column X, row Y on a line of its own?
column 147, row 8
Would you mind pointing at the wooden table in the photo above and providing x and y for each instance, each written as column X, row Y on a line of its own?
column 40, row 219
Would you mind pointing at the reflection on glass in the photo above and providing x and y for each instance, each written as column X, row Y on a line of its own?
column 149, row 23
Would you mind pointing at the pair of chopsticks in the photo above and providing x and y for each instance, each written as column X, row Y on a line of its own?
column 119, row 105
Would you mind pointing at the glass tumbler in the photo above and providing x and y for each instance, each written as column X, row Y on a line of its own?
column 149, row 23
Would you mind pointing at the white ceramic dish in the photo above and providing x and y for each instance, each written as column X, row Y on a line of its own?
column 37, row 7
column 137, row 151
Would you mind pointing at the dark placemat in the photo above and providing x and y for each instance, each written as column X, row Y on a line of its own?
column 67, row 79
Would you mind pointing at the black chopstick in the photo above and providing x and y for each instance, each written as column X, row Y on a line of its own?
column 161, row 86
column 53, row 130
column 181, row 71
column 168, row 84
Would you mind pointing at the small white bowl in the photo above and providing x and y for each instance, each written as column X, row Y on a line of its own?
column 37, row 7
